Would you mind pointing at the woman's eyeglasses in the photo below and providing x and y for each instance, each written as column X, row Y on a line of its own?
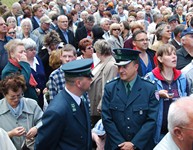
column 31, row 49
column 11, row 32
column 116, row 29
column 16, row 96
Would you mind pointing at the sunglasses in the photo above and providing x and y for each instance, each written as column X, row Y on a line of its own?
column 11, row 32
column 116, row 29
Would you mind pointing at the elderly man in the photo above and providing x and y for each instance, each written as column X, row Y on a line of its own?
column 105, row 25
column 66, row 35
column 180, row 126
column 66, row 122
column 44, row 28
column 129, row 106
column 185, row 53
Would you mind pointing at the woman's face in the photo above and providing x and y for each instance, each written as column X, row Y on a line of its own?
column 168, row 60
column 26, row 27
column 12, row 33
column 13, row 98
column 18, row 52
column 116, row 31
column 30, row 53
column 11, row 23
column 88, row 52
column 166, row 32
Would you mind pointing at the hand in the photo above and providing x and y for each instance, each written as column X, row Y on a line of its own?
column 99, row 111
column 45, row 90
column 19, row 131
column 99, row 141
column 126, row 146
column 38, row 91
column 22, row 58
column 31, row 133
column 163, row 94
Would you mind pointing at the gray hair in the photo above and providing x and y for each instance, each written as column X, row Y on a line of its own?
column 26, row 20
column 83, row 13
column 116, row 16
column 29, row 43
column 104, row 20
column 103, row 47
column 157, row 16
column 179, row 112
column 11, row 18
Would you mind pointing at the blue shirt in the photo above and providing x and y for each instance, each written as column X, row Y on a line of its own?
column 145, row 69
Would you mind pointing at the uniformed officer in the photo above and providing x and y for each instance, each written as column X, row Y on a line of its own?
column 66, row 122
column 129, row 106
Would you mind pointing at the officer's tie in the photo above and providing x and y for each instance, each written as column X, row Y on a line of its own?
column 82, row 106
column 128, row 89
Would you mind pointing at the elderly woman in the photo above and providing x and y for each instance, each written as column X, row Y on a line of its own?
column 18, row 63
column 171, row 84
column 20, row 116
column 115, row 40
column 26, row 29
column 52, row 42
column 11, row 22
column 105, row 70
column 86, row 49
column 36, row 66
column 163, row 34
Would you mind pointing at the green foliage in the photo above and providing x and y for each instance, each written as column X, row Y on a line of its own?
column 8, row 3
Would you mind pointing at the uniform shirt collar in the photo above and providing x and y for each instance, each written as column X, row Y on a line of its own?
column 75, row 97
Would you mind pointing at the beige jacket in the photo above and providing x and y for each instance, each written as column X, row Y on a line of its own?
column 107, row 71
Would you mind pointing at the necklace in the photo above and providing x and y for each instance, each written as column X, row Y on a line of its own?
column 168, row 80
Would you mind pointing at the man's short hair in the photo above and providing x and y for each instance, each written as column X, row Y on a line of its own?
column 178, row 114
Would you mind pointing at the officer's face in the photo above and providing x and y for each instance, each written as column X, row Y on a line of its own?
column 128, row 72
column 84, row 83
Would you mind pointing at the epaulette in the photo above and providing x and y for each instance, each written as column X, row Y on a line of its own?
column 148, row 80
column 114, row 79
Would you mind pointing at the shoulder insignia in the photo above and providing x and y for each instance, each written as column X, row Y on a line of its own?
column 148, row 80
column 113, row 79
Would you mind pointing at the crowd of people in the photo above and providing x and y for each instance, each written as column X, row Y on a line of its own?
column 96, row 74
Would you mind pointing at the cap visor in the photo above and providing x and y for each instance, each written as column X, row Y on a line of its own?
column 122, row 63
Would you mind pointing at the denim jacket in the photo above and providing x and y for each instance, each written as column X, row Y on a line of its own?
column 181, row 83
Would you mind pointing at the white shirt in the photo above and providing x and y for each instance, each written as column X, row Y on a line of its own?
column 167, row 143
column 75, row 97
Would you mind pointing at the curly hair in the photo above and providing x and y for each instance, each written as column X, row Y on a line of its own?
column 13, row 82
column 51, row 37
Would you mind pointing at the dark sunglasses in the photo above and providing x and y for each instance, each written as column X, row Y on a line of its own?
column 11, row 32
column 116, row 29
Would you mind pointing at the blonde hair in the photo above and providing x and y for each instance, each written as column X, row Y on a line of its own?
column 54, row 59
column 11, row 46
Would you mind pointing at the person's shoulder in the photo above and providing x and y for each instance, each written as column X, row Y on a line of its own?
column 180, row 51
column 147, row 80
column 56, row 72
column 114, row 80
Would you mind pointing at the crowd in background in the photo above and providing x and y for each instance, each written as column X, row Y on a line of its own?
column 38, row 36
